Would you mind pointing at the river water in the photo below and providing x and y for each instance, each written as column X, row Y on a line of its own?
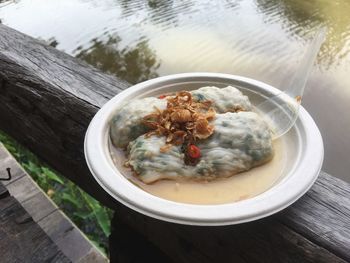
column 263, row 39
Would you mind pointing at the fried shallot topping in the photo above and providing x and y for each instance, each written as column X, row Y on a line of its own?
column 182, row 122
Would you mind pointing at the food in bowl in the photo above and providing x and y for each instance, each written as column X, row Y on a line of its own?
column 264, row 190
column 193, row 139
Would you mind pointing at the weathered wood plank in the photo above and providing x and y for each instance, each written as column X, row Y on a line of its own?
column 7, row 161
column 39, row 206
column 129, row 246
column 314, row 229
column 47, row 101
column 23, row 189
column 58, row 227
column 323, row 215
column 3, row 152
column 66, row 236
column 92, row 257
column 21, row 239
column 3, row 191
column 263, row 241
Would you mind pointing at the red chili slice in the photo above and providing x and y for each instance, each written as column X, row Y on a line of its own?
column 194, row 151
column 161, row 96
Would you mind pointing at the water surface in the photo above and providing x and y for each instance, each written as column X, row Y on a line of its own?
column 263, row 39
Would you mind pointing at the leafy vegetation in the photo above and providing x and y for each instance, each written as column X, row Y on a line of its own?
column 86, row 212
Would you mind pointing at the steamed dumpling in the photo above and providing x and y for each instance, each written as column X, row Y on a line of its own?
column 126, row 124
column 241, row 141
column 224, row 99
column 151, row 165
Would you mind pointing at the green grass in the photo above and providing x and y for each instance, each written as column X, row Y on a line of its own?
column 86, row 212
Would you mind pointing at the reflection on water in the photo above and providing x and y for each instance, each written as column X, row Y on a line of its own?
column 302, row 17
column 134, row 65
column 262, row 39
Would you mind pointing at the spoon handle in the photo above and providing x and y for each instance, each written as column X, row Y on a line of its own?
column 281, row 110
column 297, row 85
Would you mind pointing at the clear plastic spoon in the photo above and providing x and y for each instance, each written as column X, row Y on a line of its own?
column 281, row 110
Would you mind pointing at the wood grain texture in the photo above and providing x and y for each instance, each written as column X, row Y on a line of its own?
column 21, row 239
column 323, row 215
column 67, row 237
column 47, row 101
column 314, row 229
column 23, row 189
column 39, row 206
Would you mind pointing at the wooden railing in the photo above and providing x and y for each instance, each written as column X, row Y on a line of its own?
column 47, row 99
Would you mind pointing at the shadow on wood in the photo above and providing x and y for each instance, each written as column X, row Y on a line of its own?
column 313, row 229
column 129, row 246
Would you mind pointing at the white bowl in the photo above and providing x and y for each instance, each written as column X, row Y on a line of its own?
column 303, row 168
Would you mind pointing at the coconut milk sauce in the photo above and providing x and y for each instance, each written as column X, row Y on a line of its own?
column 238, row 187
